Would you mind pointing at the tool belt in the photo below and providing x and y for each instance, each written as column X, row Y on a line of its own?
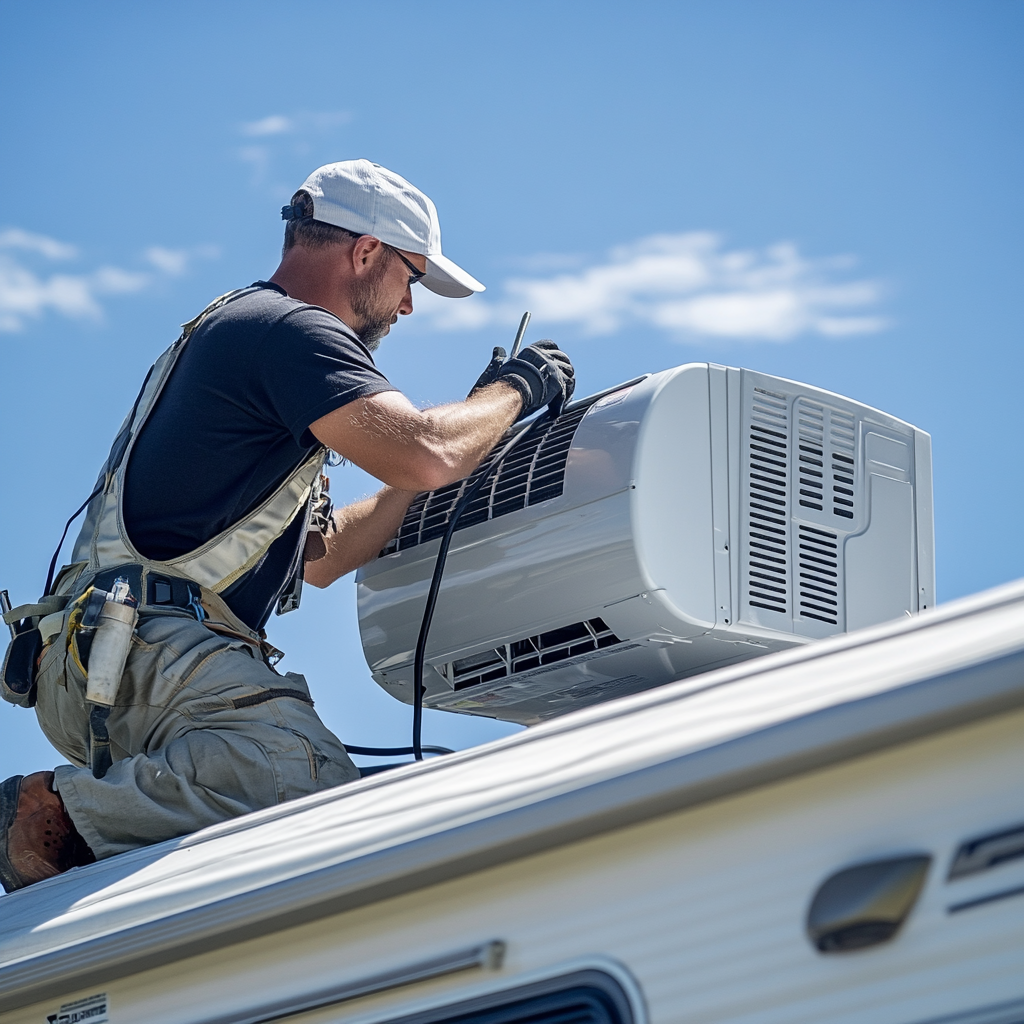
column 59, row 615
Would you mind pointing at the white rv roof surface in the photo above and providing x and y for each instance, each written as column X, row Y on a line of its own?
column 591, row 771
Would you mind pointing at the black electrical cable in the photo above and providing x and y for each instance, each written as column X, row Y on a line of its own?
column 417, row 748
column 63, row 537
column 435, row 581
column 394, row 751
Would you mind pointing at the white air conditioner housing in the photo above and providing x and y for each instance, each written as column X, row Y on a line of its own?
column 680, row 522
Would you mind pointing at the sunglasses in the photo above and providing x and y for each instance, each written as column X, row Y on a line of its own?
column 414, row 274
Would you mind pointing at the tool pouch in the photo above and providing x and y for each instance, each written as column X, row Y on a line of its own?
column 35, row 626
column 18, row 678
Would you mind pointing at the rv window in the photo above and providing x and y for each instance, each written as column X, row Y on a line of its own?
column 586, row 997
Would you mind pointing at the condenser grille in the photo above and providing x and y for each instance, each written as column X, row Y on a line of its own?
column 818, row 569
column 842, row 444
column 533, row 472
column 532, row 652
column 768, row 502
column 810, row 462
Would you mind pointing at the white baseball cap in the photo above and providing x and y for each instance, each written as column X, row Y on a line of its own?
column 368, row 199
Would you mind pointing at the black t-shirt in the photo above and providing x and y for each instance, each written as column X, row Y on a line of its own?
column 233, row 422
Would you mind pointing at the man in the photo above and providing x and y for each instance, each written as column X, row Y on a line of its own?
column 210, row 509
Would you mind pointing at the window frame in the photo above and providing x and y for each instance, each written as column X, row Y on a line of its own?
column 611, row 988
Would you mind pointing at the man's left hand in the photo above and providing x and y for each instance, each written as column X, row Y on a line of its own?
column 490, row 374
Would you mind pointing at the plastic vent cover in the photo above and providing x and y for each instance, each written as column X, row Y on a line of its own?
column 530, row 653
column 768, row 502
column 825, row 469
column 533, row 472
column 802, row 493
column 819, row 491
column 818, row 567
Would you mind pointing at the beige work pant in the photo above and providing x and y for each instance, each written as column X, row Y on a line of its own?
column 203, row 730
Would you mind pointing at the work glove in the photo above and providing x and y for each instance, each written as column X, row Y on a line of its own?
column 488, row 376
column 541, row 373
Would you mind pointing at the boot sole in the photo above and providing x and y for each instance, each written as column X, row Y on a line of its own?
column 10, row 794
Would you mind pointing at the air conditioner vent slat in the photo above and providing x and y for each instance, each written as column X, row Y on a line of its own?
column 533, row 472
column 842, row 444
column 818, row 568
column 800, row 466
column 766, row 577
column 531, row 652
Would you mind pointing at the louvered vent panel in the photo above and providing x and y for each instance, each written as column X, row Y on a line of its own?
column 818, row 568
column 768, row 502
column 842, row 445
column 533, row 472
column 530, row 653
column 810, row 463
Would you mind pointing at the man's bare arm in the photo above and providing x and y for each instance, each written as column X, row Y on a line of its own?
column 419, row 450
column 363, row 528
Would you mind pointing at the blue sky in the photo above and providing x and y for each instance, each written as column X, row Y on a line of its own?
column 822, row 190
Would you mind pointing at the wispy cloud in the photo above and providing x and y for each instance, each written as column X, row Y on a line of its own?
column 275, row 124
column 302, row 122
column 278, row 135
column 29, row 289
column 687, row 285
column 16, row 238
column 174, row 262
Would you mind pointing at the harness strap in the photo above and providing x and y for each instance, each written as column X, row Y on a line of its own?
column 188, row 581
column 275, row 692
column 47, row 606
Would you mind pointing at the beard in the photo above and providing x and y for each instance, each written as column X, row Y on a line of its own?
column 375, row 318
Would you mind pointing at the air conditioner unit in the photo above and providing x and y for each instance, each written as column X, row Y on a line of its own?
column 677, row 523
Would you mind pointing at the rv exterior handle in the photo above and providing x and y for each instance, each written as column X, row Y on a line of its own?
column 866, row 904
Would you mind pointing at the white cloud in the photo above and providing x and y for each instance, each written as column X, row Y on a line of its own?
column 24, row 294
column 115, row 281
column 303, row 122
column 16, row 238
column 275, row 124
column 170, row 261
column 686, row 285
column 175, row 262
column 277, row 134
column 28, row 292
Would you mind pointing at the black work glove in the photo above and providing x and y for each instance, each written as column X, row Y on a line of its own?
column 542, row 374
column 490, row 374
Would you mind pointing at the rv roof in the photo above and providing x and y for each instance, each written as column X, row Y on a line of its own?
column 588, row 772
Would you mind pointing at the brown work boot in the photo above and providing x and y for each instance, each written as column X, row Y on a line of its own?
column 38, row 839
